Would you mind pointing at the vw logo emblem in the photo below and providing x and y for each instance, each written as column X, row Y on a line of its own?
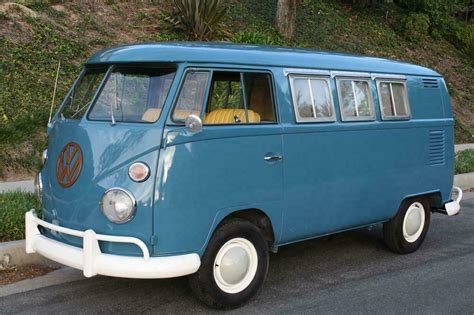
column 69, row 165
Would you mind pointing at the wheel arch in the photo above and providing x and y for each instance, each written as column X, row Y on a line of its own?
column 255, row 216
column 434, row 199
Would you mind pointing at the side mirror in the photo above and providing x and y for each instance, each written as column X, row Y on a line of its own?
column 193, row 123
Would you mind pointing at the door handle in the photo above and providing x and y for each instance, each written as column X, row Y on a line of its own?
column 273, row 157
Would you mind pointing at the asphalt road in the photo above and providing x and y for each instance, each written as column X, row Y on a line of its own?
column 347, row 273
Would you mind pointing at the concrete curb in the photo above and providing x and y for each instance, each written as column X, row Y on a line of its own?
column 24, row 185
column 63, row 275
column 464, row 181
column 462, row 147
column 16, row 250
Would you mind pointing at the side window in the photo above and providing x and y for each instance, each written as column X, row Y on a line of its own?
column 393, row 100
column 191, row 96
column 355, row 99
column 226, row 92
column 240, row 98
column 312, row 99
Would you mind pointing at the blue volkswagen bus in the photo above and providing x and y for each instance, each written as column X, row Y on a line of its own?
column 198, row 159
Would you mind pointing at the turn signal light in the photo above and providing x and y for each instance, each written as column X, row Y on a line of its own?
column 139, row 172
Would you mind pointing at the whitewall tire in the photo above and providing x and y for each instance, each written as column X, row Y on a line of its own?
column 407, row 230
column 233, row 267
column 413, row 222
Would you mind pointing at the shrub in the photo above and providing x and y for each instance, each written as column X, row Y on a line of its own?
column 199, row 18
column 459, row 34
column 469, row 44
column 249, row 37
column 441, row 21
column 415, row 26
column 462, row 36
column 464, row 162
column 13, row 206
column 433, row 8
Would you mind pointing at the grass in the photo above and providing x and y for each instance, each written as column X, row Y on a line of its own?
column 464, row 162
column 13, row 206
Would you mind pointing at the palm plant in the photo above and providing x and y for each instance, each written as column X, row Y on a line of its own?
column 199, row 18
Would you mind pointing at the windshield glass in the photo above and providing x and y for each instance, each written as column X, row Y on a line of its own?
column 81, row 96
column 133, row 95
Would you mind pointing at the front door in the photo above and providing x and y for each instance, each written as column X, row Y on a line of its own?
column 233, row 163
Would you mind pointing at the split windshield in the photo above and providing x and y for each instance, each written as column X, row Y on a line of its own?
column 82, row 94
column 129, row 94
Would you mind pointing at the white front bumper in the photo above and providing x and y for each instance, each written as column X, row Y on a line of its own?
column 93, row 262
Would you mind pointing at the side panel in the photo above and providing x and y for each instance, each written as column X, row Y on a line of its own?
column 344, row 175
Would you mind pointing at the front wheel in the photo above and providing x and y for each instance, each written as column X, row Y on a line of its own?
column 234, row 266
column 406, row 231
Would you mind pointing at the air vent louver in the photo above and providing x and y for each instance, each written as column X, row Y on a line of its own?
column 430, row 83
column 437, row 147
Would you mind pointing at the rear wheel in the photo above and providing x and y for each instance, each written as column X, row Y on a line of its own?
column 406, row 231
column 234, row 266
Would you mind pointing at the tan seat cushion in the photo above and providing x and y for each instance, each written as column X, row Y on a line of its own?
column 182, row 114
column 229, row 115
column 151, row 114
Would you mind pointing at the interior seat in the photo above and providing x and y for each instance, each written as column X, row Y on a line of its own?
column 260, row 99
column 151, row 114
column 230, row 116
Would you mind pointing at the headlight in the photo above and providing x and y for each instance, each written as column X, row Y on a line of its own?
column 39, row 186
column 118, row 205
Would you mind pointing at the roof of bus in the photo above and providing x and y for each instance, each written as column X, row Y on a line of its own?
column 225, row 53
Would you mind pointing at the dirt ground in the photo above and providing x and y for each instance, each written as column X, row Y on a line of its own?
column 22, row 273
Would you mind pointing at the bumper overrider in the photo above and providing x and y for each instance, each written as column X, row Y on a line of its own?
column 453, row 207
column 93, row 262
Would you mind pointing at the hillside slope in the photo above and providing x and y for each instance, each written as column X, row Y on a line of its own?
column 35, row 37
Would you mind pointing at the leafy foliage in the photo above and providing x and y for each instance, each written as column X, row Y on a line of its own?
column 255, row 37
column 13, row 206
column 441, row 21
column 415, row 26
column 201, row 19
column 462, row 36
column 434, row 8
column 469, row 43
column 464, row 162
column 27, row 71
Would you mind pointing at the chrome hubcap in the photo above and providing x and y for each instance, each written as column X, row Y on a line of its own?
column 414, row 222
column 235, row 265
